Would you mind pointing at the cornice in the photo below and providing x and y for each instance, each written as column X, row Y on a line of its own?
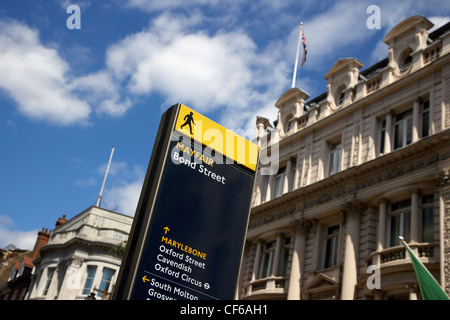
column 368, row 99
column 362, row 176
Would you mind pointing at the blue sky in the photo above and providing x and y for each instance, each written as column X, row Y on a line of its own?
column 68, row 95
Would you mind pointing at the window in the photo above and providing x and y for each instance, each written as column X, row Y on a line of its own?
column 334, row 161
column 341, row 98
column 13, row 274
column 427, row 218
column 91, row 270
column 402, row 129
column 278, row 183
column 330, row 247
column 405, row 59
column 398, row 222
column 266, row 262
column 284, row 258
column 289, row 123
column 425, row 119
column 105, row 283
column 48, row 280
column 339, row 95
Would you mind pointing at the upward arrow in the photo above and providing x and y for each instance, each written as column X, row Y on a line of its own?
column 166, row 229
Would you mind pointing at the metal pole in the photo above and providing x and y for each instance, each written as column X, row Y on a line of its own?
column 296, row 57
column 104, row 179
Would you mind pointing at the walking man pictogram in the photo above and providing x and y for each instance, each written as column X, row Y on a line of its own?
column 188, row 119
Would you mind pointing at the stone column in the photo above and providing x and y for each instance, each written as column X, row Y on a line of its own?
column 287, row 177
column 414, row 215
column 261, row 185
column 412, row 291
column 388, row 133
column 298, row 258
column 257, row 259
column 352, row 214
column 71, row 282
column 276, row 258
column 268, row 194
column 416, row 122
column 382, row 224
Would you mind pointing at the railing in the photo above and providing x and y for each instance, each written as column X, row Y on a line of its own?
column 431, row 53
column 391, row 254
column 373, row 84
column 398, row 253
column 271, row 285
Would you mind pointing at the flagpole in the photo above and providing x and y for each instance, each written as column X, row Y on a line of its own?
column 104, row 179
column 294, row 77
column 442, row 295
column 402, row 240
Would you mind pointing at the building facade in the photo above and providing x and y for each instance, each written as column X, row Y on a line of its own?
column 16, row 267
column 358, row 166
column 77, row 262
column 15, row 270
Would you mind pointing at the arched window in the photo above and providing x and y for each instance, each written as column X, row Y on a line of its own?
column 288, row 123
column 405, row 59
column 340, row 95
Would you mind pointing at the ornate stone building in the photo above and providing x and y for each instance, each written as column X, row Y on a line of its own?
column 77, row 262
column 358, row 166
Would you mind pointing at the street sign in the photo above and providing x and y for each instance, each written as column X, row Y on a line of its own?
column 189, row 229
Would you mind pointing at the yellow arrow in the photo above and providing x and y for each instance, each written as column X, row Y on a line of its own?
column 144, row 278
column 166, row 229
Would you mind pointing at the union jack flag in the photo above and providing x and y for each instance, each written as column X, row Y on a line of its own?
column 305, row 49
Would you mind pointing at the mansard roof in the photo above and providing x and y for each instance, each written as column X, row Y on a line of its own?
column 343, row 63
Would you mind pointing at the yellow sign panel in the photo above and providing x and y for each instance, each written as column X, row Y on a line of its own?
column 217, row 137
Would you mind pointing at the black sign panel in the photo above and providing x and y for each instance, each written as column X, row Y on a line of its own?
column 194, row 236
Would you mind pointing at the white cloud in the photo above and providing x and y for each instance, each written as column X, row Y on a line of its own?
column 223, row 71
column 343, row 24
column 100, row 90
column 21, row 239
column 122, row 187
column 151, row 5
column 40, row 81
column 123, row 198
column 36, row 77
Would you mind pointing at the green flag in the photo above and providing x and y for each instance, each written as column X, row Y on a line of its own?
column 429, row 287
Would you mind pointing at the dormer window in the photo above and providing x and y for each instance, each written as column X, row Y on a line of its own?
column 288, row 123
column 405, row 60
column 340, row 95
column 341, row 98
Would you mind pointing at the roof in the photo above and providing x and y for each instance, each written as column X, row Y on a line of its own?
column 405, row 26
column 374, row 69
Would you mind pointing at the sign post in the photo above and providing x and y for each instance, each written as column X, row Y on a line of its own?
column 188, row 233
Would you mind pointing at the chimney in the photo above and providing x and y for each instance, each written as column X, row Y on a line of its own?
column 61, row 220
column 41, row 241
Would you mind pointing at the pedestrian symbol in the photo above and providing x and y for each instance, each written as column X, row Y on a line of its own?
column 188, row 119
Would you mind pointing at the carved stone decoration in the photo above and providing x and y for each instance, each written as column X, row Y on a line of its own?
column 301, row 225
column 447, row 103
column 353, row 209
column 356, row 147
column 446, row 230
column 77, row 261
